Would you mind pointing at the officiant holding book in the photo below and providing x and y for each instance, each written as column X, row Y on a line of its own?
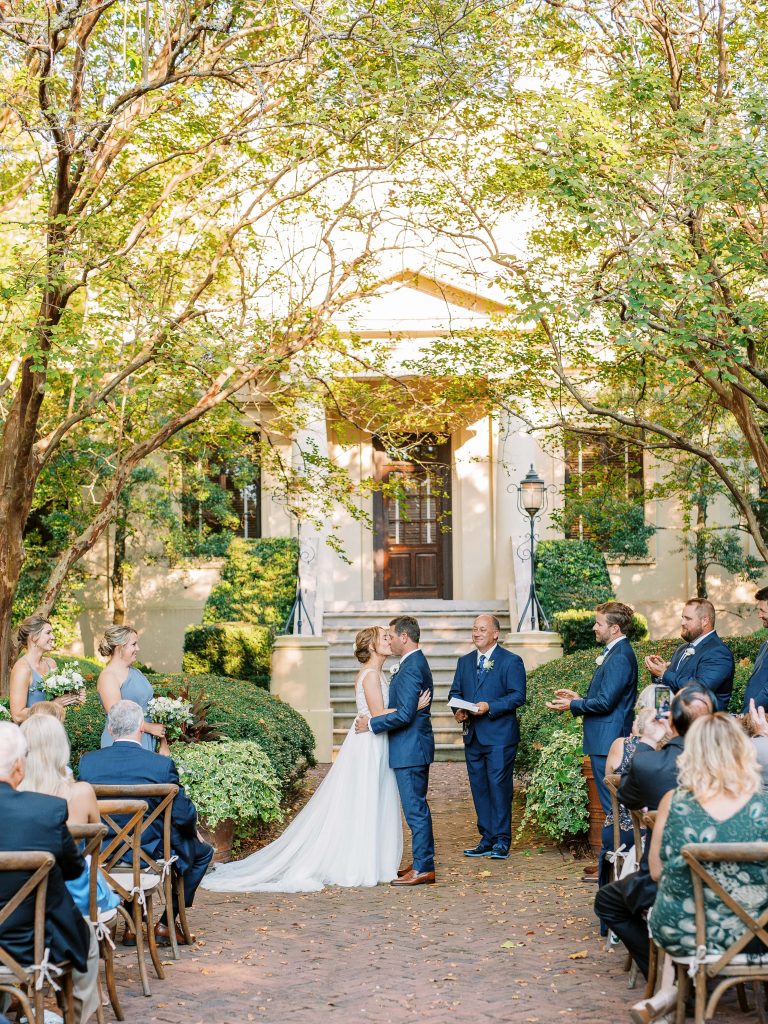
column 491, row 681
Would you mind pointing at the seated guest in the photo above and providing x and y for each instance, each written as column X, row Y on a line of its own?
column 702, row 657
column 719, row 799
column 48, row 772
column 34, row 821
column 127, row 763
column 617, row 763
column 622, row 905
column 47, row 707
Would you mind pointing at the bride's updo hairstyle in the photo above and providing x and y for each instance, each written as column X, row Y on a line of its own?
column 31, row 628
column 114, row 637
column 365, row 643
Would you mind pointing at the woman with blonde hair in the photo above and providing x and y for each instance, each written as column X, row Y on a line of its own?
column 47, row 771
column 719, row 799
column 350, row 833
column 119, row 680
column 35, row 634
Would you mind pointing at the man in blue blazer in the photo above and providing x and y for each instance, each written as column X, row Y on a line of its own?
column 757, row 687
column 703, row 658
column 411, row 745
column 494, row 680
column 38, row 822
column 609, row 705
column 127, row 763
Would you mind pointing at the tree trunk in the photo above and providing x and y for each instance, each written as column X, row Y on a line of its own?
column 700, row 546
column 118, row 573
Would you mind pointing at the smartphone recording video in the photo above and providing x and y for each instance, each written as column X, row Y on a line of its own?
column 662, row 697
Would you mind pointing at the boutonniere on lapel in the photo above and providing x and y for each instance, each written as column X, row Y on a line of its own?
column 600, row 659
column 488, row 665
column 394, row 670
column 689, row 651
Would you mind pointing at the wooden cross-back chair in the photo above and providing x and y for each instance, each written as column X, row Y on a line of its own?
column 732, row 966
column 92, row 837
column 171, row 879
column 26, row 982
column 124, row 818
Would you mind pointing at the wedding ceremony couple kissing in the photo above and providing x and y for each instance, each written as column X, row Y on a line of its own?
column 350, row 832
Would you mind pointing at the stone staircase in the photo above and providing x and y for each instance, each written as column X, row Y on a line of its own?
column 446, row 633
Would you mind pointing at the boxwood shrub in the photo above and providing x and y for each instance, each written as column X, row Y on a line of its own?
column 240, row 650
column 575, row 629
column 258, row 583
column 570, row 574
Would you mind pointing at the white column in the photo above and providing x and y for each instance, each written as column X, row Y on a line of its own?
column 311, row 439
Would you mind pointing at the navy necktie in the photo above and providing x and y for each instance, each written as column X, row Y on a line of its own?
column 480, row 667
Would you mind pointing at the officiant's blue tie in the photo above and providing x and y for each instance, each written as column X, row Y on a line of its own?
column 480, row 667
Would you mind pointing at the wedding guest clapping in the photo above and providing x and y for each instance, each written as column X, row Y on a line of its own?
column 27, row 675
column 121, row 681
column 702, row 658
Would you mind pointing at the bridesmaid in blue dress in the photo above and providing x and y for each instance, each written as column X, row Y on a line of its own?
column 120, row 681
column 26, row 684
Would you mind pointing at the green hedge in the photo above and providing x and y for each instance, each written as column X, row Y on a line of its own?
column 243, row 712
column 570, row 574
column 574, row 672
column 258, row 583
column 240, row 650
column 575, row 629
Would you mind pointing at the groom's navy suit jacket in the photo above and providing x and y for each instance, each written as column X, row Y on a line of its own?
column 502, row 687
column 411, row 742
column 712, row 664
column 608, row 707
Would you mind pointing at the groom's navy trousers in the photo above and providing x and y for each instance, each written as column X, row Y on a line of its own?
column 490, row 740
column 411, row 751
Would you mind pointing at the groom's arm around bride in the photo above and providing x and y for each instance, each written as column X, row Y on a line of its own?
column 411, row 744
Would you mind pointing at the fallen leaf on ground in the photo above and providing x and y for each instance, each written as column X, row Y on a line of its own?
column 578, row 956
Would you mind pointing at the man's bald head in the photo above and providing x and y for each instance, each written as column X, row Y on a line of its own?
column 485, row 632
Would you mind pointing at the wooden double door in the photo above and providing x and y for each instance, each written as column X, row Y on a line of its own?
column 412, row 538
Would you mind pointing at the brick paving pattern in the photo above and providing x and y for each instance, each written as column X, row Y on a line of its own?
column 494, row 941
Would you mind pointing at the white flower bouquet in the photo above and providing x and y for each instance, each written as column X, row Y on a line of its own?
column 171, row 712
column 5, row 713
column 64, row 682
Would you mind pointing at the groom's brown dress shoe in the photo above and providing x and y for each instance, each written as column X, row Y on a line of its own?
column 404, row 871
column 415, row 878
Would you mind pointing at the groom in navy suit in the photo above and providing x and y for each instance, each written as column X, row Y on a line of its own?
column 494, row 680
column 411, row 745
column 703, row 658
column 757, row 687
column 608, row 707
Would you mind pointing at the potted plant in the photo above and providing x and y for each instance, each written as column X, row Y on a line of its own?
column 232, row 784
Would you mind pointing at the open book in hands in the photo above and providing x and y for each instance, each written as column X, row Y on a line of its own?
column 464, row 705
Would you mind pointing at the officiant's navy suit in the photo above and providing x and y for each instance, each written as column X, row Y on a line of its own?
column 711, row 664
column 412, row 751
column 490, row 740
column 608, row 709
column 757, row 687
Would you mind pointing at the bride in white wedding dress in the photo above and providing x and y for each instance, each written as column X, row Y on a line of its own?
column 350, row 833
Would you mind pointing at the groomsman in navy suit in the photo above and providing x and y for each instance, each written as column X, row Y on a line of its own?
column 757, row 687
column 703, row 658
column 608, row 707
column 494, row 680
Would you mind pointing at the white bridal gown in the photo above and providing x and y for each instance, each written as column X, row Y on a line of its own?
column 350, row 833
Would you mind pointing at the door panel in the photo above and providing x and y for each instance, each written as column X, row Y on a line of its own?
column 412, row 545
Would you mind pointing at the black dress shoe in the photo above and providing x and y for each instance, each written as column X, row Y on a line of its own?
column 499, row 852
column 481, row 850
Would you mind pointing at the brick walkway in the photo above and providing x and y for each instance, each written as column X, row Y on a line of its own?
column 496, row 941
